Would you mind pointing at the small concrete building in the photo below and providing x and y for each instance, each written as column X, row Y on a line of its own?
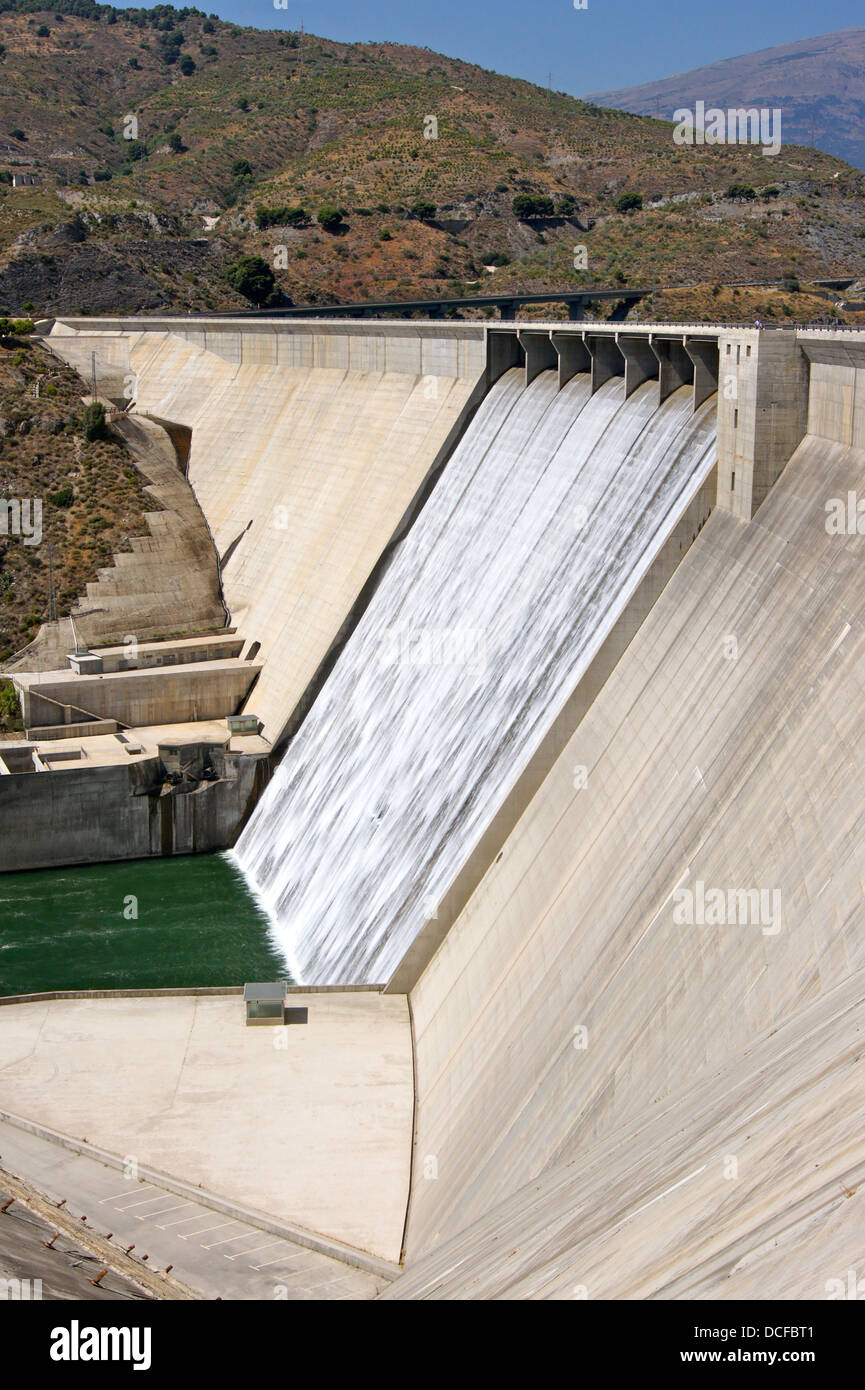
column 265, row 1003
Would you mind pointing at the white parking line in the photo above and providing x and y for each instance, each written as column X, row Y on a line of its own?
column 179, row 1207
column 252, row 1251
column 145, row 1201
column 202, row 1216
column 163, row 1211
column 220, row 1226
column 127, row 1192
column 280, row 1259
column 228, row 1239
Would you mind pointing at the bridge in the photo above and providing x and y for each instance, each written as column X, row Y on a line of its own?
column 506, row 303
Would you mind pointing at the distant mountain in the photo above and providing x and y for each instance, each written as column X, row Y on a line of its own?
column 818, row 83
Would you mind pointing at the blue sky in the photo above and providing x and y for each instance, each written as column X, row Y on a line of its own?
column 612, row 43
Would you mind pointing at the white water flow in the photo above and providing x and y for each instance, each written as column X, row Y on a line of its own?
column 547, row 516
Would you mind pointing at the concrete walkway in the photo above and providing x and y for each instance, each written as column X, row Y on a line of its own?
column 315, row 1132
column 208, row 1251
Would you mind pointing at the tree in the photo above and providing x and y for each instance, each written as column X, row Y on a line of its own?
column 423, row 210
column 628, row 202
column 175, row 143
column 241, row 169
column 527, row 205
column 566, row 206
column 330, row 219
column 252, row 277
column 187, row 66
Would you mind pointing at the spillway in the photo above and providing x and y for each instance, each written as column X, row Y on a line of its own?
column 548, row 515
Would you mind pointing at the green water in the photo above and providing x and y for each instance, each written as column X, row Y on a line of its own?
column 197, row 924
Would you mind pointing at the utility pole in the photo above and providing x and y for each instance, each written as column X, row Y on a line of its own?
column 52, row 602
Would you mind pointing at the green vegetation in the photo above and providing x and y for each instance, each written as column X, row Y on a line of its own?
column 281, row 217
column 628, row 202
column 252, row 277
column 329, row 218
column 526, row 205
column 15, row 328
column 93, row 421
column 10, row 708
column 64, row 498
column 741, row 192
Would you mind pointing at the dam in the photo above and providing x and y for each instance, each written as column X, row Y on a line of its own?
column 527, row 629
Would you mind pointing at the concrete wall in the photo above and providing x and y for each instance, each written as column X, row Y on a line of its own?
column 762, row 413
column 836, row 402
column 89, row 815
column 726, row 747
column 170, row 695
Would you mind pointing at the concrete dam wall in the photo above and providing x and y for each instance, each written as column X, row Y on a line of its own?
column 627, row 1087
column 582, row 788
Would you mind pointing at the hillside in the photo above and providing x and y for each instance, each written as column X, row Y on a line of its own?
column 819, row 84
column 92, row 497
column 231, row 120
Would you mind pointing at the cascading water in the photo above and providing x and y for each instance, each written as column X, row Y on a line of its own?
column 547, row 516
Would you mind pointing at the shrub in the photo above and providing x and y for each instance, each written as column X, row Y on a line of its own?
column 17, row 328
column 628, row 202
column 422, row 210
column 64, row 498
column 187, row 66
column 10, row 709
column 566, row 206
column 93, row 421
column 241, row 169
column 43, row 31
column 741, row 192
column 330, row 219
column 281, row 217
column 175, row 143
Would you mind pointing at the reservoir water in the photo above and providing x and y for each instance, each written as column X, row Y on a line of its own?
column 196, row 924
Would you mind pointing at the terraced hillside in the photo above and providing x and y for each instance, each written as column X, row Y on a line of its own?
column 167, row 145
column 91, row 495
